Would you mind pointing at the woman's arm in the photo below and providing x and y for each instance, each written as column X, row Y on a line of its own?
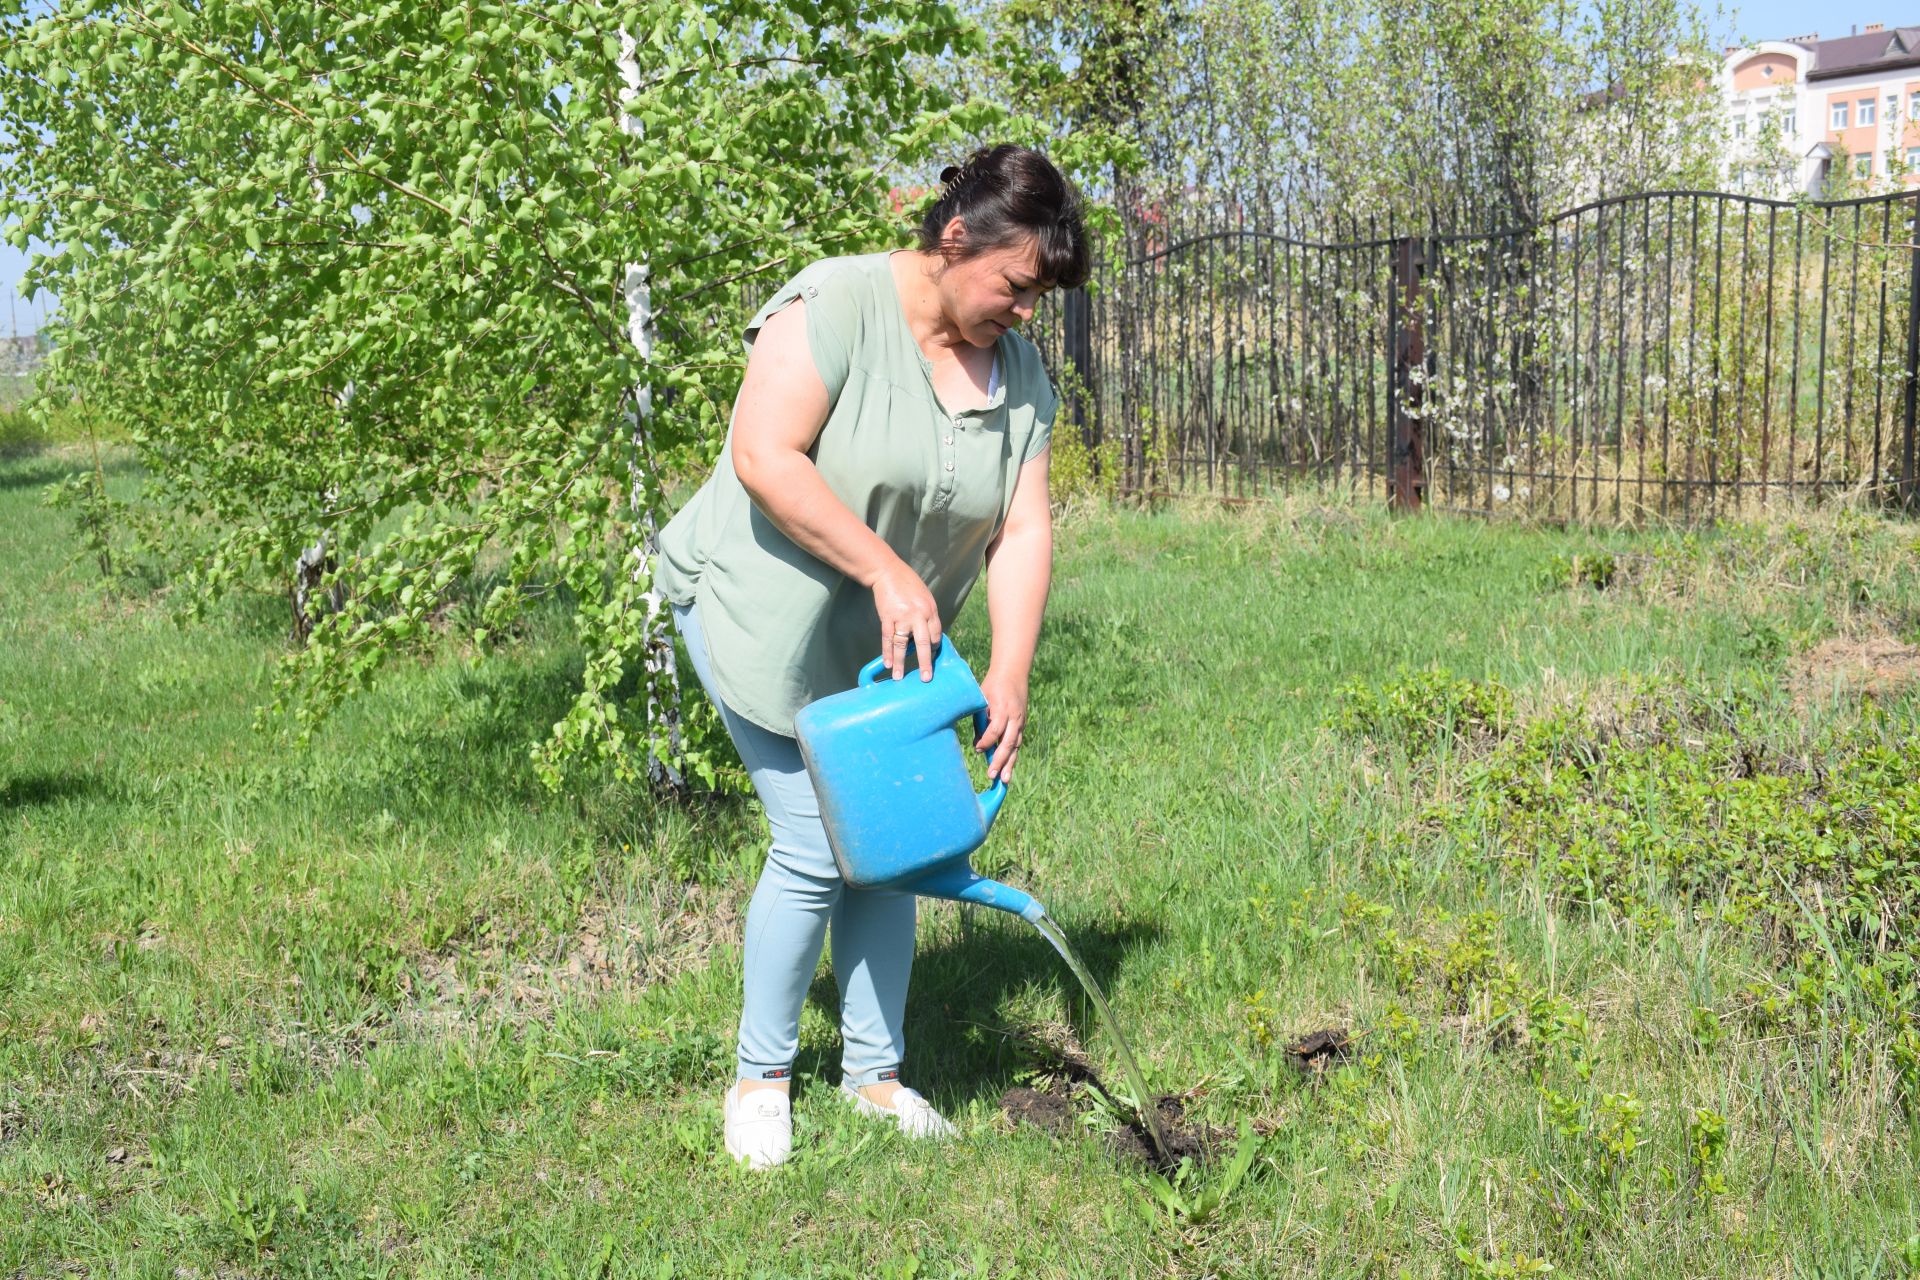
column 1019, row 572
column 783, row 404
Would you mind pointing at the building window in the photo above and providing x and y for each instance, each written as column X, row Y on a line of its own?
column 1913, row 157
column 1839, row 115
column 1893, row 107
column 1863, row 165
column 1913, row 106
column 1790, row 125
column 1866, row 111
column 1740, row 127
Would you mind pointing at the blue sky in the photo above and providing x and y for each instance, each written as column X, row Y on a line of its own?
column 1748, row 19
column 1778, row 19
column 21, row 313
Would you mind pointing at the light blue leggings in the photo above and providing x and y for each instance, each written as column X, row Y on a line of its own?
column 800, row 893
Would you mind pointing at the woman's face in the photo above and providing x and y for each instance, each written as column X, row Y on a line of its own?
column 987, row 295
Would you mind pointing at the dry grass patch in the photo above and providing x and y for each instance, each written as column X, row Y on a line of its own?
column 622, row 946
column 1845, row 667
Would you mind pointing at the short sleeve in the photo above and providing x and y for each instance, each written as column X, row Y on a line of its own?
column 1046, row 405
column 833, row 320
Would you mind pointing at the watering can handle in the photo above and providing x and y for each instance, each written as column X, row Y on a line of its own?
column 996, row 795
column 871, row 672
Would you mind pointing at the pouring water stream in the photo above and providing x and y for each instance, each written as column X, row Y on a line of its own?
column 1149, row 1112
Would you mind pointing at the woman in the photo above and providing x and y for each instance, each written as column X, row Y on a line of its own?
column 890, row 437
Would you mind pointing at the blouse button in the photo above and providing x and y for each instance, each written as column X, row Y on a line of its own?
column 949, row 440
column 949, row 466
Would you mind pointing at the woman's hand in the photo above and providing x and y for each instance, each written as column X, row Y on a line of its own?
column 1006, row 721
column 907, row 612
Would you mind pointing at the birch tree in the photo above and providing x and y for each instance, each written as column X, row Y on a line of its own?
column 523, row 234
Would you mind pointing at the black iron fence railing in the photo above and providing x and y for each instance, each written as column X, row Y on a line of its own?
column 1676, row 353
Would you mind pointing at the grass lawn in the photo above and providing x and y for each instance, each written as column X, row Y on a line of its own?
column 1594, row 913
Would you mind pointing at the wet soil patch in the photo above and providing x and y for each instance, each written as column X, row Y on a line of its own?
column 1200, row 1143
column 1056, row 1108
column 1065, row 1090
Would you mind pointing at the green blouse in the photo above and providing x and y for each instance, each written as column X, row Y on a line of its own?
column 784, row 628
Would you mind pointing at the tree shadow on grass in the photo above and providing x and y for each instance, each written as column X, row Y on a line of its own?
column 33, row 789
column 37, row 466
column 469, row 737
column 466, row 740
column 960, row 1043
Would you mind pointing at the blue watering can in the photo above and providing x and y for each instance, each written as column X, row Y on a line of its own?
column 895, row 797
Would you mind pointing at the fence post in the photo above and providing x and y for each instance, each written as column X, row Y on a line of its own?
column 1909, row 493
column 1406, row 427
column 1078, row 326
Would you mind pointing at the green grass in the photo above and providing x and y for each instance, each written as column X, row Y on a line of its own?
column 21, row 432
column 382, row 1006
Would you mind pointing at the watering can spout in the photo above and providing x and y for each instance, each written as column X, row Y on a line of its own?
column 961, row 883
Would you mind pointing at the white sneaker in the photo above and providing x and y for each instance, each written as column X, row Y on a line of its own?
column 758, row 1127
column 913, row 1113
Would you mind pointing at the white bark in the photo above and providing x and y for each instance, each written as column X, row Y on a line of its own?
column 659, row 674
column 313, row 562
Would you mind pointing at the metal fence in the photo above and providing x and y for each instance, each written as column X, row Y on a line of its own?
column 1680, row 354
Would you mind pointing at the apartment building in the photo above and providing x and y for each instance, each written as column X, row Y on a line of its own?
column 1800, row 108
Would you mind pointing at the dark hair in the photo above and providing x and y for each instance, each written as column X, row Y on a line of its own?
column 1006, row 194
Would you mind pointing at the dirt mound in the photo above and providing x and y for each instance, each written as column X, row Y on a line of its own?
column 1878, row 665
column 1313, row 1054
column 1050, row 1110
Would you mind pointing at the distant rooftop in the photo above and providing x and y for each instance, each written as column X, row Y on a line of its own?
column 1878, row 48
